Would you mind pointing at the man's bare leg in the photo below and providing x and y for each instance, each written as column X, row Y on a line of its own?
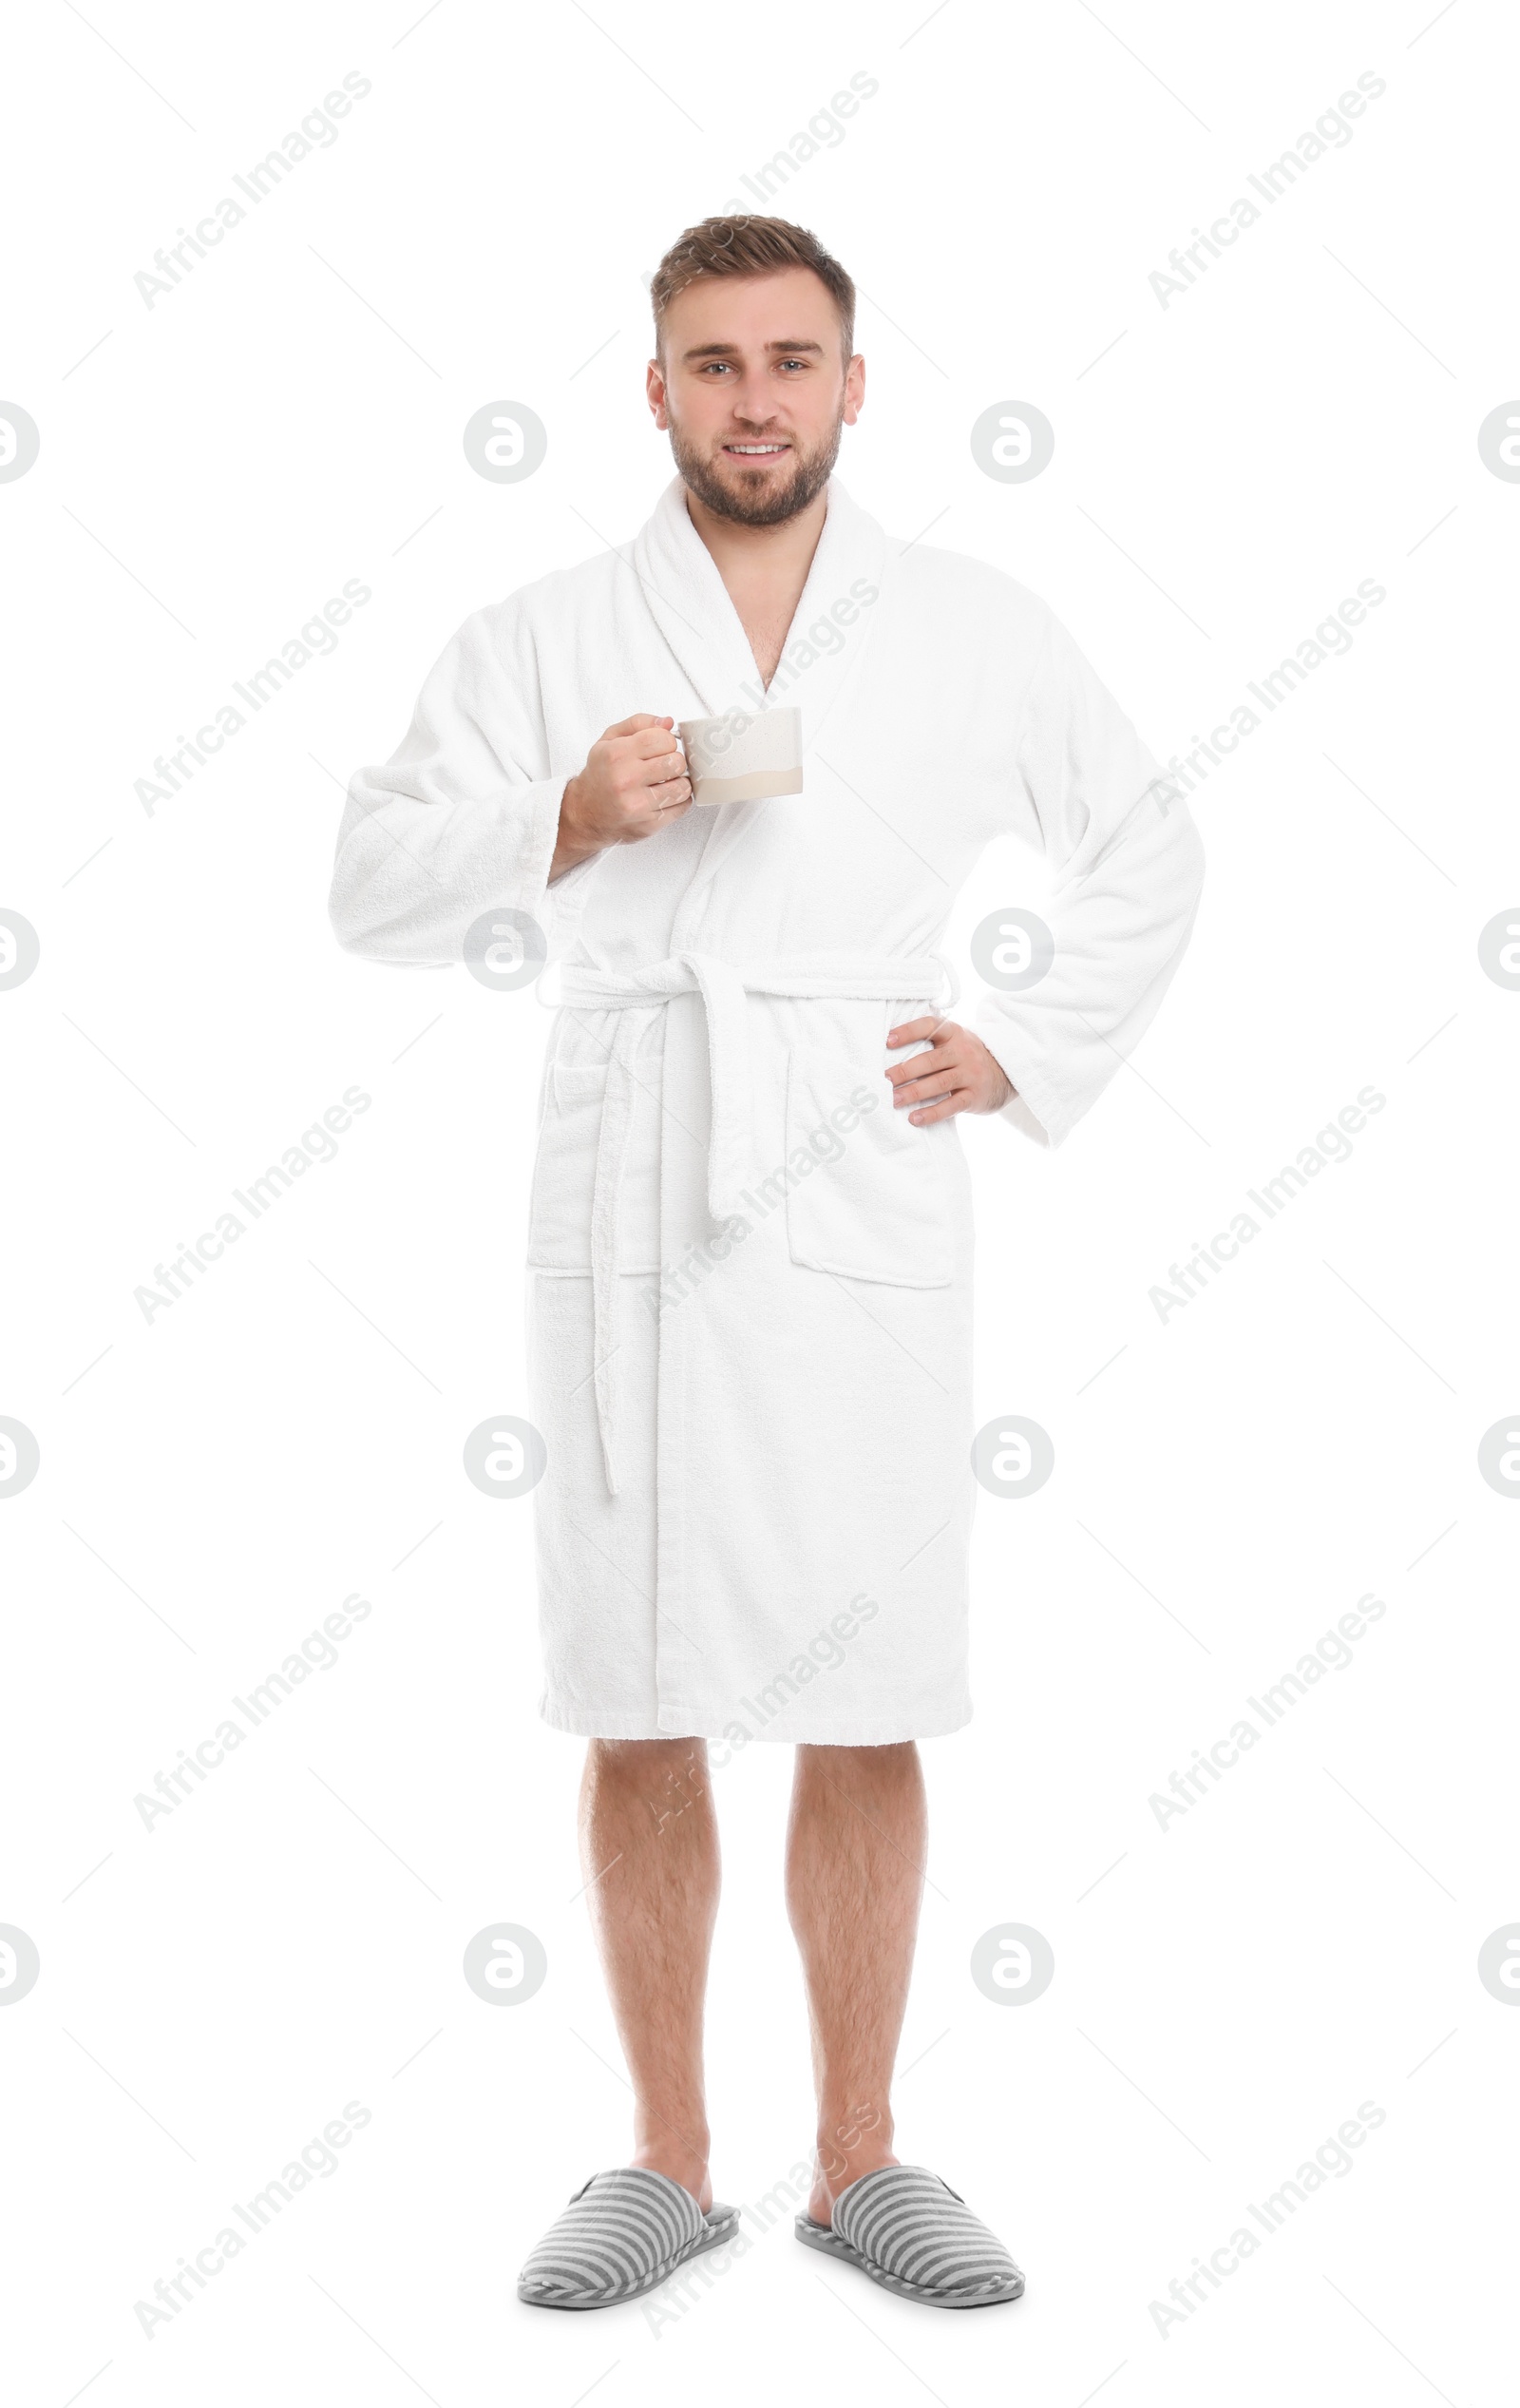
column 649, row 1849
column 855, row 1853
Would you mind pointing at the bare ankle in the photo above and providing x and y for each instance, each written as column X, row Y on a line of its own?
column 684, row 2158
column 852, row 2142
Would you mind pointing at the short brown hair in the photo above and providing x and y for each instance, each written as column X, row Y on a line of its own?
column 748, row 246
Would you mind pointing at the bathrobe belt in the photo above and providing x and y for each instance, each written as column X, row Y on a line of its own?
column 723, row 986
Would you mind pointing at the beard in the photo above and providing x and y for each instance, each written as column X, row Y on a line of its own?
column 754, row 499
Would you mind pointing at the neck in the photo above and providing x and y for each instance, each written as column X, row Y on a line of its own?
column 756, row 559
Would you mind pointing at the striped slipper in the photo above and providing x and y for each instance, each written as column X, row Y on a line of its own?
column 912, row 2233
column 623, row 2233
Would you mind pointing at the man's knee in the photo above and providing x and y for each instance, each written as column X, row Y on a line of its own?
column 669, row 1775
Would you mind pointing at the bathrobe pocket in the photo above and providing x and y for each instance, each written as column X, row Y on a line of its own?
column 565, row 1174
column 866, row 1195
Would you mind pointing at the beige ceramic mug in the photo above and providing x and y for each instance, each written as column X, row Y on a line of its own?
column 744, row 759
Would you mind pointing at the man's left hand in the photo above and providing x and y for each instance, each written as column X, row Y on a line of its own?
column 958, row 1074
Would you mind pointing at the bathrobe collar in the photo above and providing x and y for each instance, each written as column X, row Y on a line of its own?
column 690, row 604
column 680, row 585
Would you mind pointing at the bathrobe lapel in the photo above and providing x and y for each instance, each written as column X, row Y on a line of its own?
column 681, row 586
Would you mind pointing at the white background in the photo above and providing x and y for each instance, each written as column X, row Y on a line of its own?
column 1227, row 1484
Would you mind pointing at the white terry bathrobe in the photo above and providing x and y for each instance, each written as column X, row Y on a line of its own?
column 750, row 1306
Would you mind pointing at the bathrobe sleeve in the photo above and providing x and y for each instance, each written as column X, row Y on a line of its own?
column 461, row 819
column 1128, row 865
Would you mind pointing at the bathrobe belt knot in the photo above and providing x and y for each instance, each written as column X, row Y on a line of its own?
column 723, row 986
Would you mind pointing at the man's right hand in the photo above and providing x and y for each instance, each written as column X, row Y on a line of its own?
column 634, row 781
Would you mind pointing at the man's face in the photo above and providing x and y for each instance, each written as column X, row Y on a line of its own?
column 754, row 391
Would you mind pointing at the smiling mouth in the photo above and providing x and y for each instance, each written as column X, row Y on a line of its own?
column 758, row 451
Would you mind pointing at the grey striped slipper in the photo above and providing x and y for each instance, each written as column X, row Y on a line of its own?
column 623, row 2233
column 912, row 2233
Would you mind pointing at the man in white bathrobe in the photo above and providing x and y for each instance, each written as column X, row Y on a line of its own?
column 749, row 1254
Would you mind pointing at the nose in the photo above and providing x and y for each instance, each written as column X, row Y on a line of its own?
column 754, row 406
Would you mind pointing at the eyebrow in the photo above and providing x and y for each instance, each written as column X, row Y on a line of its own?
column 729, row 351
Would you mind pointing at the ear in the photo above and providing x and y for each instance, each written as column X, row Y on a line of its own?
column 854, row 389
